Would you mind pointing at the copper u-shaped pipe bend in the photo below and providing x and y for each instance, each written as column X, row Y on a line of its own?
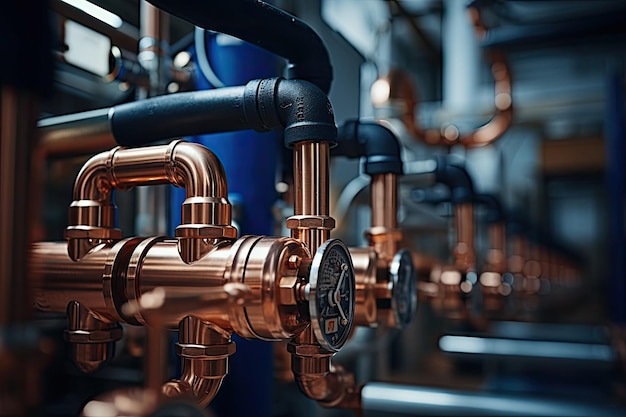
column 206, row 212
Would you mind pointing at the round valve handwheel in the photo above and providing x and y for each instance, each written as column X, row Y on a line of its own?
column 331, row 294
column 403, row 291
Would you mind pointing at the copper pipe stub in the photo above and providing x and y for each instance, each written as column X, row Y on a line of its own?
column 93, row 341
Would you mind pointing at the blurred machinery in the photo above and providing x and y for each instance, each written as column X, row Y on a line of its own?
column 397, row 256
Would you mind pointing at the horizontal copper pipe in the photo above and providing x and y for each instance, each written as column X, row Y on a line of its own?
column 114, row 275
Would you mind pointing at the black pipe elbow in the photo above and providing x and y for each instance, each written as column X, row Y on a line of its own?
column 377, row 145
column 265, row 26
column 298, row 106
column 495, row 213
column 457, row 178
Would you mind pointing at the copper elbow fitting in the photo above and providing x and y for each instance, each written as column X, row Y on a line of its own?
column 206, row 213
column 204, row 349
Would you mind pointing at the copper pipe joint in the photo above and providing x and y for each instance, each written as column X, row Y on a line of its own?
column 365, row 273
column 206, row 213
column 204, row 349
column 93, row 341
column 311, row 223
column 328, row 384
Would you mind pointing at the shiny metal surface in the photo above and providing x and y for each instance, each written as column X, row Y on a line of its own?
column 365, row 311
column 384, row 203
column 206, row 213
column 112, row 276
column 380, row 399
column 331, row 295
column 311, row 185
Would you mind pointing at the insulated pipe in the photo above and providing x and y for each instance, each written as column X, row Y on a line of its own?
column 299, row 107
column 263, row 25
column 206, row 214
column 403, row 400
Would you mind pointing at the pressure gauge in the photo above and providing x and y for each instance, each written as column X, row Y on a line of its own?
column 331, row 294
column 403, row 290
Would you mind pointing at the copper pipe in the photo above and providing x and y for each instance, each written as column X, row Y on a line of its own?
column 402, row 89
column 204, row 349
column 383, row 234
column 464, row 253
column 22, row 350
column 365, row 274
column 496, row 255
column 311, row 223
column 488, row 133
column 92, row 339
column 154, row 45
column 206, row 213
column 330, row 385
column 124, row 272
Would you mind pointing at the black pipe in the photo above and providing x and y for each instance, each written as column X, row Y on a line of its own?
column 447, row 172
column 495, row 212
column 377, row 145
column 298, row 106
column 457, row 178
column 265, row 26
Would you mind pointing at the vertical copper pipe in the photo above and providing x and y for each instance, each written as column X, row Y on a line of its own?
column 20, row 350
column 154, row 45
column 156, row 358
column 496, row 257
column 17, row 177
column 384, row 203
column 311, row 177
column 464, row 253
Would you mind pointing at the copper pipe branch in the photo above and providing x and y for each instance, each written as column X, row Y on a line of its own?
column 402, row 90
column 204, row 349
column 463, row 251
column 206, row 213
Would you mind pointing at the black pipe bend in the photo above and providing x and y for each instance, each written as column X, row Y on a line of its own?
column 457, row 178
column 298, row 106
column 495, row 212
column 376, row 144
column 263, row 25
